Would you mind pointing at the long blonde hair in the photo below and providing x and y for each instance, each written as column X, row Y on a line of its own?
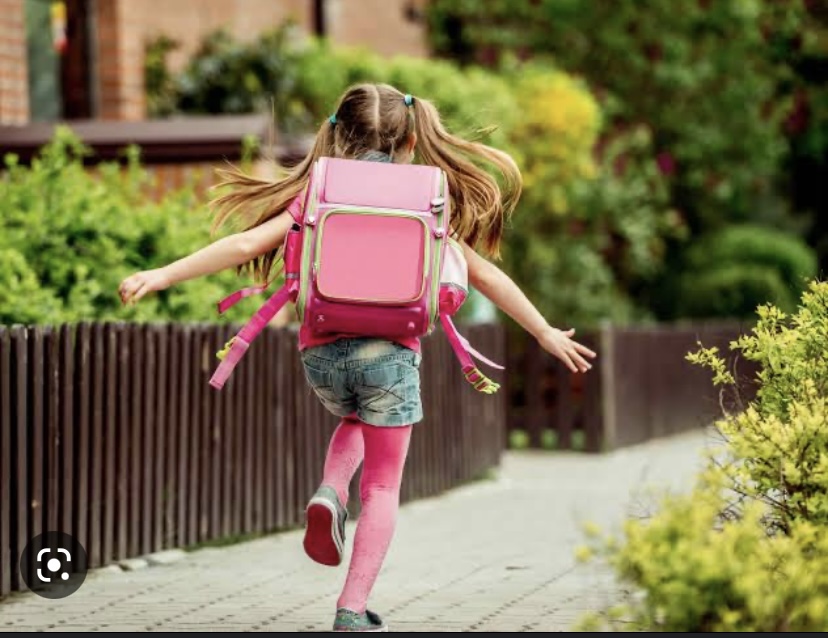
column 376, row 117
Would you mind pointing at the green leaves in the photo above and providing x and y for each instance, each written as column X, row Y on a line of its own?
column 69, row 235
column 712, row 84
column 733, row 271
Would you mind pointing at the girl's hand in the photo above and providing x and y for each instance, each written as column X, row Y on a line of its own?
column 558, row 343
column 136, row 286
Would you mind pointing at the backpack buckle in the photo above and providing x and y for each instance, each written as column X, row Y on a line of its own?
column 437, row 205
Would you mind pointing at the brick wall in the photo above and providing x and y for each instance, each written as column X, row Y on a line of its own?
column 14, row 88
column 125, row 26
column 382, row 25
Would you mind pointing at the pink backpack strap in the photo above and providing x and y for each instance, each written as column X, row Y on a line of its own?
column 236, row 348
column 464, row 353
column 231, row 300
column 295, row 210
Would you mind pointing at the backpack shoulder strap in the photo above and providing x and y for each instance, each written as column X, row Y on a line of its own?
column 464, row 353
column 236, row 348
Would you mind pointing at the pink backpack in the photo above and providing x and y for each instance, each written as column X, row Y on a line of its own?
column 364, row 261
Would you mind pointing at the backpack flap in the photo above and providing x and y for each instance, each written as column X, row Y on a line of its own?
column 379, row 185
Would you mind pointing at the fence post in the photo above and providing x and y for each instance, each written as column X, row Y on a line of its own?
column 607, row 369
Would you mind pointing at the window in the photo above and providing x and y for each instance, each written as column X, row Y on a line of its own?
column 59, row 76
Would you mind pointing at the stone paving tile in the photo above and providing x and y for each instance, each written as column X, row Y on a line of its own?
column 493, row 556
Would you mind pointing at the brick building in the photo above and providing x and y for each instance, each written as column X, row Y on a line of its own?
column 99, row 74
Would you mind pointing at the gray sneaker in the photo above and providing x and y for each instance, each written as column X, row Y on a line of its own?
column 347, row 620
column 325, row 527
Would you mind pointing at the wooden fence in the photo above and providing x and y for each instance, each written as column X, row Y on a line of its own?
column 111, row 433
column 641, row 387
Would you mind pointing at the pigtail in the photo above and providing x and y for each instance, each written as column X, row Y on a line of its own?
column 481, row 205
column 250, row 201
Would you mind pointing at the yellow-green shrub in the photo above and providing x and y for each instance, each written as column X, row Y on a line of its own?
column 692, row 571
column 594, row 212
column 747, row 550
column 777, row 449
column 555, row 134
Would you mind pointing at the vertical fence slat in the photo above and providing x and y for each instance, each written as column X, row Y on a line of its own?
column 53, row 441
column 6, row 425
column 215, row 441
column 37, row 452
column 124, row 440
column 193, row 441
column 592, row 401
column 110, row 441
column 260, row 390
column 283, row 445
column 147, row 451
column 208, row 348
column 294, row 418
column 67, row 429
column 228, row 441
column 175, row 389
column 96, row 478
column 246, row 380
column 206, row 359
column 138, row 405
column 162, row 425
column 185, row 340
column 269, row 444
column 239, row 434
column 20, row 442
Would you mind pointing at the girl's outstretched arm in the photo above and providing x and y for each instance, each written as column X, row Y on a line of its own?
column 228, row 252
column 499, row 288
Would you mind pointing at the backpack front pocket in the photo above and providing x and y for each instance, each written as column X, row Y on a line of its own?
column 371, row 257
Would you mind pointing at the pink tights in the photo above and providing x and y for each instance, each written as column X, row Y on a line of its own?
column 382, row 450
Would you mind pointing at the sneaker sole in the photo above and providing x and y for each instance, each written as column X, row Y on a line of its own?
column 323, row 543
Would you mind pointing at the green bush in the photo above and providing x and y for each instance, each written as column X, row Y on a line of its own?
column 747, row 550
column 777, row 445
column 731, row 272
column 699, row 574
column 700, row 73
column 225, row 75
column 69, row 235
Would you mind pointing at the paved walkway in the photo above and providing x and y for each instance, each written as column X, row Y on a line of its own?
column 494, row 556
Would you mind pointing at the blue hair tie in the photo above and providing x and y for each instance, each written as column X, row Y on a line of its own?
column 332, row 119
column 409, row 100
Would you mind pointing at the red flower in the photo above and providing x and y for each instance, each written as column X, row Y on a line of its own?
column 666, row 163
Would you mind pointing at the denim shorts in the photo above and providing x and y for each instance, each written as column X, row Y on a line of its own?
column 377, row 381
